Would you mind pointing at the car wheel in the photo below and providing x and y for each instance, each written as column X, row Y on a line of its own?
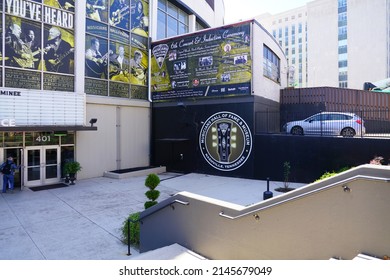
column 297, row 130
column 348, row 132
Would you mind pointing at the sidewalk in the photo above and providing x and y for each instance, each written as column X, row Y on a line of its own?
column 83, row 222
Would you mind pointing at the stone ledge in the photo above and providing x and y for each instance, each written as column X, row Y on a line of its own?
column 143, row 172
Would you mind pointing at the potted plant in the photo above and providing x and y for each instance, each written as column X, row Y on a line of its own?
column 71, row 168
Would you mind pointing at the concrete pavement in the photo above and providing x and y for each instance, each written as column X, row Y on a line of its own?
column 83, row 222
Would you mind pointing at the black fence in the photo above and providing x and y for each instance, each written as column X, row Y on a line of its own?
column 360, row 123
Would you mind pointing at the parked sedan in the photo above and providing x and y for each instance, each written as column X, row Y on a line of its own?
column 328, row 123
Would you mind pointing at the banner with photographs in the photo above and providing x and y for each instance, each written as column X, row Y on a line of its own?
column 214, row 62
column 38, row 36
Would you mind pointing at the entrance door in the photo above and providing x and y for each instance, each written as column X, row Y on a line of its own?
column 42, row 165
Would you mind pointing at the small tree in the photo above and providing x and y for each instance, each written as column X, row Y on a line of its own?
column 152, row 181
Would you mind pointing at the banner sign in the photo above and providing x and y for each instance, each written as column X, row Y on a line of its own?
column 214, row 62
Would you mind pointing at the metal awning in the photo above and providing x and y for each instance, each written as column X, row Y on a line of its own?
column 48, row 128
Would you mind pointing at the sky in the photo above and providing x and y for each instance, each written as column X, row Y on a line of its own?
column 236, row 10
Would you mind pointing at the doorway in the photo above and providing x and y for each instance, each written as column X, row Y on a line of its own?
column 42, row 165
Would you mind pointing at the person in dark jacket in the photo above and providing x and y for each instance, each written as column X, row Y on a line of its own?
column 8, row 171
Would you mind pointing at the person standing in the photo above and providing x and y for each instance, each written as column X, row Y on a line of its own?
column 15, row 48
column 96, row 63
column 8, row 170
column 58, row 52
column 119, row 66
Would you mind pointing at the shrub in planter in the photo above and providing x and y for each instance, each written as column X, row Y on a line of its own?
column 151, row 181
column 152, row 194
column 134, row 230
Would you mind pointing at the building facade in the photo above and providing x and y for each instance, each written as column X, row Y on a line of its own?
column 338, row 43
column 75, row 81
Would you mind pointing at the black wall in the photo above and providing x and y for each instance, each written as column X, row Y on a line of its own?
column 310, row 157
column 176, row 128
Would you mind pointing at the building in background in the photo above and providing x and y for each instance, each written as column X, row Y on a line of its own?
column 338, row 43
column 84, row 95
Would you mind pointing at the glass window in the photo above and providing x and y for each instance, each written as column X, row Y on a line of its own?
column 199, row 26
column 172, row 10
column 161, row 18
column 182, row 28
column 183, row 17
column 162, row 5
column 271, row 64
column 171, row 27
column 13, row 139
column 172, row 20
column 1, row 139
column 68, row 139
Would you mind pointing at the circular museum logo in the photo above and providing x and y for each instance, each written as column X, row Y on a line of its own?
column 225, row 141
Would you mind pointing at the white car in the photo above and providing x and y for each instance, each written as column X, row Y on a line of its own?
column 328, row 123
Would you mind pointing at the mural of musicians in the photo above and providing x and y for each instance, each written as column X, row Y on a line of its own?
column 120, row 13
column 96, row 9
column 119, row 66
column 138, row 69
column 95, row 62
column 17, row 52
column 35, row 47
column 138, row 18
column 58, row 53
column 67, row 5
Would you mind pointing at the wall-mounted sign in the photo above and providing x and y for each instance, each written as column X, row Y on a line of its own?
column 225, row 141
column 40, row 108
column 214, row 62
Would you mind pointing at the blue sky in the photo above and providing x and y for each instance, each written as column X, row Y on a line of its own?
column 235, row 10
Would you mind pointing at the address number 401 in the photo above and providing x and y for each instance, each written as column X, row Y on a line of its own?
column 43, row 138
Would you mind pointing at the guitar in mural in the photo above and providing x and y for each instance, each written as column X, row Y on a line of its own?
column 27, row 61
column 93, row 9
column 224, row 137
column 118, row 15
column 98, row 66
column 55, row 64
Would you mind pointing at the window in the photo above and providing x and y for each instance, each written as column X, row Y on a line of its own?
column 343, row 49
column 199, row 26
column 343, row 63
column 171, row 20
column 271, row 64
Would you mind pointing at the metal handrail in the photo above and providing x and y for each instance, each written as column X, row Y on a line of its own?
column 387, row 180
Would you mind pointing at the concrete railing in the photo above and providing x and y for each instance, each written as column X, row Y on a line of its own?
column 339, row 217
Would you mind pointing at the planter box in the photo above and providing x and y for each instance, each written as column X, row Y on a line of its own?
column 135, row 173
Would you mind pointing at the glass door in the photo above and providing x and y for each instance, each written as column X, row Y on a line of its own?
column 42, row 165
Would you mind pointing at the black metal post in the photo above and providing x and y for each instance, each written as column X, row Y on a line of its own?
column 128, row 237
column 267, row 194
